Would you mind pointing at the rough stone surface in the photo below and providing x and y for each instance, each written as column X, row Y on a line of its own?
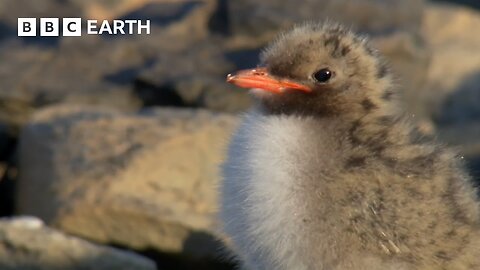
column 469, row 3
column 263, row 17
column 143, row 181
column 10, row 10
column 452, row 95
column 36, row 72
column 193, row 77
column 454, row 76
column 33, row 77
column 25, row 243
column 111, row 9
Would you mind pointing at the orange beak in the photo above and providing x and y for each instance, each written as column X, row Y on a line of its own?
column 259, row 78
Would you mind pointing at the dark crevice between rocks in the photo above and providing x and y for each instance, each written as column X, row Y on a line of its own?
column 461, row 106
column 242, row 59
column 124, row 76
column 153, row 95
column 7, row 191
column 180, row 261
column 219, row 22
column 45, row 98
column 6, row 31
column 163, row 13
column 470, row 3
column 166, row 261
column 8, row 171
column 128, row 75
column 460, row 110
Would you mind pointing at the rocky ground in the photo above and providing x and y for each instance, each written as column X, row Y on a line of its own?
column 114, row 142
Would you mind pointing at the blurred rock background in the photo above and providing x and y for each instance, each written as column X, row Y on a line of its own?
column 114, row 142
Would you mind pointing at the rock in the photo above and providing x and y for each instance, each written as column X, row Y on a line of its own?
column 471, row 3
column 214, row 94
column 7, row 176
column 6, row 31
column 99, row 70
column 142, row 181
column 14, row 70
column 452, row 95
column 10, row 10
column 188, row 18
column 461, row 106
column 195, row 76
column 34, row 77
column 25, row 243
column 454, row 74
column 111, row 9
column 205, row 58
column 250, row 17
column 7, row 189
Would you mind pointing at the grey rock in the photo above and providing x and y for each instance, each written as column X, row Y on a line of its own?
column 33, row 77
column 27, row 244
column 451, row 98
column 10, row 10
column 196, row 76
column 213, row 94
column 143, row 181
column 463, row 105
column 471, row 3
column 251, row 17
column 92, row 69
column 451, row 94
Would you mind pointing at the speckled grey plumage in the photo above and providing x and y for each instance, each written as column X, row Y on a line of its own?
column 338, row 178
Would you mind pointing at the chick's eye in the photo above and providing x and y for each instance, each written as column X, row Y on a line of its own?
column 323, row 75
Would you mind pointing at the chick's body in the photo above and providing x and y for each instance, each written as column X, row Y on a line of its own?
column 338, row 178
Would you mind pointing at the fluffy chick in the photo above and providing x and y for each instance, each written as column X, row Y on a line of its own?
column 326, row 172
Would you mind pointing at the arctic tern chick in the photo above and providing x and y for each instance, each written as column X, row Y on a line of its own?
column 326, row 171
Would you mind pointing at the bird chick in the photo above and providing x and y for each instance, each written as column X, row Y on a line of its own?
column 327, row 172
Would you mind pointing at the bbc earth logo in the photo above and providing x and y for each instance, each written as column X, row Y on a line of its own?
column 50, row 27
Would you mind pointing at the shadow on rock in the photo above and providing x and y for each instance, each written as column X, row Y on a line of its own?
column 128, row 75
column 462, row 106
column 26, row 243
column 458, row 120
column 6, row 31
column 219, row 22
column 163, row 13
column 243, row 59
column 165, row 260
column 153, row 95
column 8, row 170
column 471, row 3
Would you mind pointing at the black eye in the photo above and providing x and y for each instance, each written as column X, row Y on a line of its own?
column 323, row 75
